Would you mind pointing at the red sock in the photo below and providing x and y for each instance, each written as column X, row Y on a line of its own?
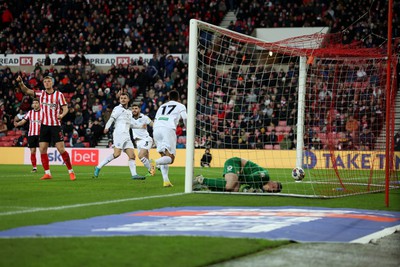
column 33, row 160
column 45, row 161
column 67, row 160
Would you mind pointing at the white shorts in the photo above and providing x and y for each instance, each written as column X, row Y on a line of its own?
column 144, row 144
column 165, row 139
column 122, row 141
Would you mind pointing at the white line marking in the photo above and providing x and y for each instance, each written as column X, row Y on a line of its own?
column 86, row 204
column 377, row 235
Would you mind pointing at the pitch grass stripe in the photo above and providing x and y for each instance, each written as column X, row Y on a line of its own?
column 86, row 204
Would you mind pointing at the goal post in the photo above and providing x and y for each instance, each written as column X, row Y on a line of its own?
column 309, row 101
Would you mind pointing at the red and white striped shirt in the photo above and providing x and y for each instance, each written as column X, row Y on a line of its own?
column 50, row 105
column 35, row 119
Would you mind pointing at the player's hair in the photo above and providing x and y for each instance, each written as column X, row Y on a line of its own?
column 135, row 105
column 123, row 93
column 35, row 99
column 48, row 78
column 174, row 95
column 279, row 187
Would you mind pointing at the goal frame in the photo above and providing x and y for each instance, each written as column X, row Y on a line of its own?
column 191, row 104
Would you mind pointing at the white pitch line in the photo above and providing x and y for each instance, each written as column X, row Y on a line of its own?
column 86, row 204
column 377, row 235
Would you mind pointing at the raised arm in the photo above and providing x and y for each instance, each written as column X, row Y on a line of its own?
column 25, row 89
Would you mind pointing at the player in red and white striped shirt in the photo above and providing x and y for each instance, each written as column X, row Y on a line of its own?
column 34, row 116
column 53, row 107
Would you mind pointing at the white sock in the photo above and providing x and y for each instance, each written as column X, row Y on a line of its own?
column 164, row 171
column 132, row 166
column 106, row 161
column 47, row 172
column 70, row 171
column 164, row 160
column 146, row 163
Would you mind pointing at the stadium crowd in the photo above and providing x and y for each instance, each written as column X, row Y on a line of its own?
column 160, row 28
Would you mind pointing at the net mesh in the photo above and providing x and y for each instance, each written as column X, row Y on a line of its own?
column 247, row 97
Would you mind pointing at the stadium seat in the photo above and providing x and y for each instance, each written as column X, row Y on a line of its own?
column 277, row 147
column 279, row 129
column 6, row 143
column 87, row 144
column 11, row 133
column 287, row 129
column 8, row 138
column 269, row 147
column 182, row 140
column 282, row 123
column 270, row 128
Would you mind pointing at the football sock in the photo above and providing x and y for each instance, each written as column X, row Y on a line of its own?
column 164, row 171
column 106, row 161
column 146, row 163
column 67, row 160
column 217, row 183
column 132, row 166
column 33, row 160
column 45, row 162
column 164, row 160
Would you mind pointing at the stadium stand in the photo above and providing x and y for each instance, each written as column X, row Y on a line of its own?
column 159, row 28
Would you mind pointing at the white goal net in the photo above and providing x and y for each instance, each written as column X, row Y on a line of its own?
column 307, row 102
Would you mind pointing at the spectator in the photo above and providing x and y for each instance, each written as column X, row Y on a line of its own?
column 3, row 128
column 97, row 131
column 397, row 141
column 206, row 159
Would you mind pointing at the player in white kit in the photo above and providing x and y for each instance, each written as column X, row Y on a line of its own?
column 164, row 133
column 121, row 116
column 143, row 140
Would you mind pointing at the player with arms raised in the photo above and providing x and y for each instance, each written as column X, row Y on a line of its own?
column 141, row 136
column 34, row 116
column 164, row 133
column 53, row 107
column 121, row 115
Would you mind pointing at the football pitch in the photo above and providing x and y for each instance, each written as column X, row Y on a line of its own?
column 25, row 200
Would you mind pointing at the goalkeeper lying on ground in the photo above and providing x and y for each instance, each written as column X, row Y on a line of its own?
column 239, row 174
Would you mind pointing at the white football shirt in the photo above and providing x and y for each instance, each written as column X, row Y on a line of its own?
column 122, row 120
column 138, row 131
column 169, row 114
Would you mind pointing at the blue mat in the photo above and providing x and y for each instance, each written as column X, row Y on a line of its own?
column 303, row 224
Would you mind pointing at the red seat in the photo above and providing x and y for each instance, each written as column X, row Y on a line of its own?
column 282, row 123
column 87, row 144
column 11, row 132
column 277, row 147
column 269, row 147
column 6, row 143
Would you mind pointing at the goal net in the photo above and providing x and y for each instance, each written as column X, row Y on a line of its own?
column 309, row 102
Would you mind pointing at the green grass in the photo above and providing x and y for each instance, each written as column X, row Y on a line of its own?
column 20, row 190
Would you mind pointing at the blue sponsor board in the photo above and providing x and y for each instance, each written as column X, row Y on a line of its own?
column 303, row 224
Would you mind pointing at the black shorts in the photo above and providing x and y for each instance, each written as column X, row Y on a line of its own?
column 33, row 141
column 51, row 134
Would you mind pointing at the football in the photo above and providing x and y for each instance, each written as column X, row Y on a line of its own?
column 298, row 174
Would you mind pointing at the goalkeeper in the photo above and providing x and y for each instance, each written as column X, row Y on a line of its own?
column 239, row 173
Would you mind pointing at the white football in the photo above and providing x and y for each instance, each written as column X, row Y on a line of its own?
column 298, row 174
